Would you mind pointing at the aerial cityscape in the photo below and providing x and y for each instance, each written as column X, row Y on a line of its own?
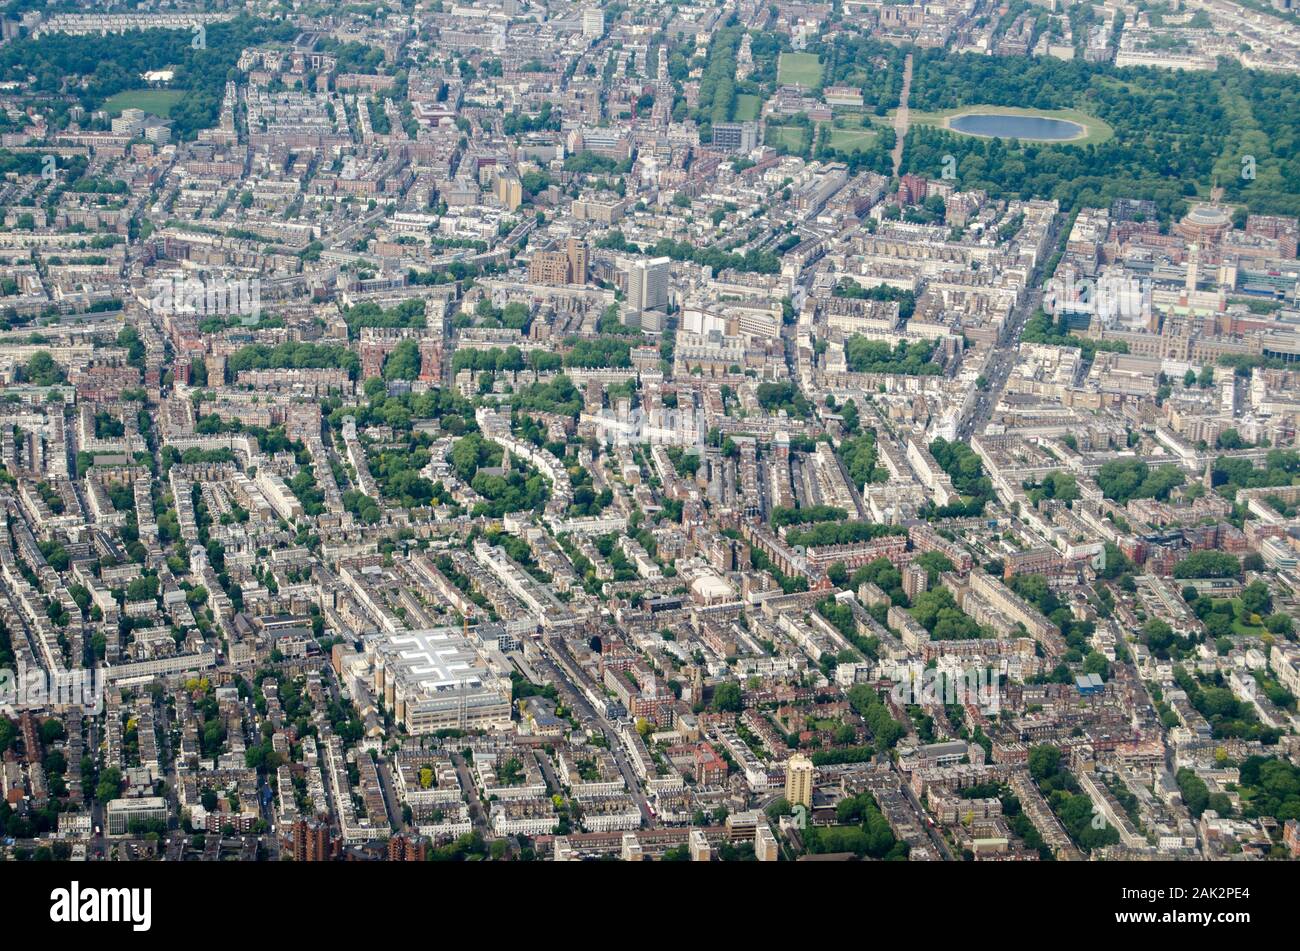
column 633, row 430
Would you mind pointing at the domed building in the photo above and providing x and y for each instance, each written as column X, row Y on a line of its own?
column 1206, row 224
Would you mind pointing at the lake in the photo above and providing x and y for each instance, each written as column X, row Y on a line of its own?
column 1009, row 126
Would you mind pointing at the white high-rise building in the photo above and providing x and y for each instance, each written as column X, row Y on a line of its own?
column 593, row 23
column 647, row 284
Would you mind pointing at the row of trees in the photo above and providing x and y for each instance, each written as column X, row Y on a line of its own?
column 294, row 355
column 1040, row 328
column 753, row 261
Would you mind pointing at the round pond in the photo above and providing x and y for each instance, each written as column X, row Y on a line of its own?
column 1011, row 126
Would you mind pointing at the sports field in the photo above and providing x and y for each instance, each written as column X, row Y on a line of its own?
column 794, row 137
column 804, row 69
column 747, row 107
column 851, row 138
column 156, row 102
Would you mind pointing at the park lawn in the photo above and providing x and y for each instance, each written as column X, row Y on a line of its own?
column 793, row 137
column 156, row 102
column 747, row 107
column 804, row 69
column 1244, row 628
column 850, row 140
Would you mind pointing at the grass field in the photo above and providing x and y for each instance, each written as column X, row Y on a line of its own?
column 1096, row 130
column 850, row 140
column 793, row 137
column 747, row 107
column 156, row 102
column 851, row 134
column 804, row 69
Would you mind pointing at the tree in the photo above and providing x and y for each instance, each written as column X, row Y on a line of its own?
column 849, row 416
column 780, row 806
column 884, row 728
column 1256, row 599
column 1123, row 480
column 52, row 731
column 727, row 698
column 1230, row 439
column 1096, row 663
column 1280, row 624
column 1044, row 762
column 1117, row 563
column 41, row 370
column 1159, row 636
column 1196, row 795
column 1208, row 564
column 404, row 362
column 938, row 613
column 110, row 784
